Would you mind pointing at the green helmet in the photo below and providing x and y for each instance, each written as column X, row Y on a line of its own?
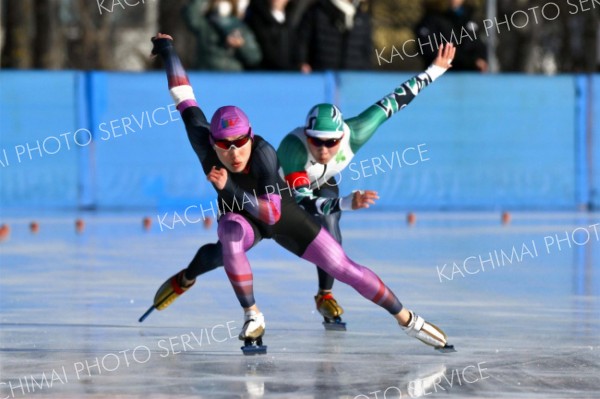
column 324, row 121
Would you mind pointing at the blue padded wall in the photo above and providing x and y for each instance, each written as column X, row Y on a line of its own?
column 486, row 142
column 39, row 158
column 493, row 142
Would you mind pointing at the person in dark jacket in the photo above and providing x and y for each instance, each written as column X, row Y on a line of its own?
column 225, row 42
column 453, row 21
column 335, row 35
column 271, row 23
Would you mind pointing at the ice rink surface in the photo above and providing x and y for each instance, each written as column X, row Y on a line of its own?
column 521, row 303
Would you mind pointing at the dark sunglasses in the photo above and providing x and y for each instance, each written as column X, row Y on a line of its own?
column 227, row 144
column 319, row 143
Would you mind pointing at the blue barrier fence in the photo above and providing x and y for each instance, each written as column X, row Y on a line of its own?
column 115, row 140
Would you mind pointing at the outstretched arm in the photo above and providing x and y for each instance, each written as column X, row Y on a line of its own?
column 363, row 126
column 358, row 199
column 179, row 84
column 196, row 125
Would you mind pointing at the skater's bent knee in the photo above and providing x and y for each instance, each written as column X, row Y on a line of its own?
column 232, row 227
column 230, row 231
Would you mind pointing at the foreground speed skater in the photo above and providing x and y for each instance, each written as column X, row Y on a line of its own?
column 238, row 162
column 311, row 156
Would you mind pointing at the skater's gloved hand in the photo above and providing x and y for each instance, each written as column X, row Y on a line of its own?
column 445, row 56
column 161, row 42
column 218, row 177
column 363, row 199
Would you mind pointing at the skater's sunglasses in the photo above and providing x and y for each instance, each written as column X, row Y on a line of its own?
column 320, row 143
column 237, row 143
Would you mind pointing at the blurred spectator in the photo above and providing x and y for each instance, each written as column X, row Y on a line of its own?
column 566, row 44
column 224, row 42
column 577, row 52
column 448, row 18
column 516, row 49
column 242, row 6
column 299, row 9
column 335, row 34
column 270, row 20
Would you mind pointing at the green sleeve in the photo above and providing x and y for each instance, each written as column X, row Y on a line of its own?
column 292, row 155
column 363, row 126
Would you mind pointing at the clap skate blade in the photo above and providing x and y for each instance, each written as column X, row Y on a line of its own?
column 254, row 347
column 446, row 349
column 335, row 324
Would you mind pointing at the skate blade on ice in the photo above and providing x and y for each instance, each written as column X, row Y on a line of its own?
column 446, row 349
column 141, row 319
column 334, row 324
column 254, row 347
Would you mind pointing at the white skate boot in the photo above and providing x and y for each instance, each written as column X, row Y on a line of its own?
column 427, row 333
column 252, row 332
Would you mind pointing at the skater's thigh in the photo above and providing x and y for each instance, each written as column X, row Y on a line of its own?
column 246, row 223
column 331, row 222
column 296, row 229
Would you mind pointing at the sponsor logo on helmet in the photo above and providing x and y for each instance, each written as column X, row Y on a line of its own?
column 225, row 123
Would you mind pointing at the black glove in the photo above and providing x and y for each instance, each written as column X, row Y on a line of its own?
column 161, row 45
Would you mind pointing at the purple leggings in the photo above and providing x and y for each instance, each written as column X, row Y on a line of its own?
column 237, row 236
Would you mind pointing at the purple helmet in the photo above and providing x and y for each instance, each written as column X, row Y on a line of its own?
column 229, row 121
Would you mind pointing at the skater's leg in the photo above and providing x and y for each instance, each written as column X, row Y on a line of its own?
column 327, row 253
column 326, row 304
column 208, row 257
column 332, row 224
column 305, row 238
column 237, row 236
column 325, row 281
